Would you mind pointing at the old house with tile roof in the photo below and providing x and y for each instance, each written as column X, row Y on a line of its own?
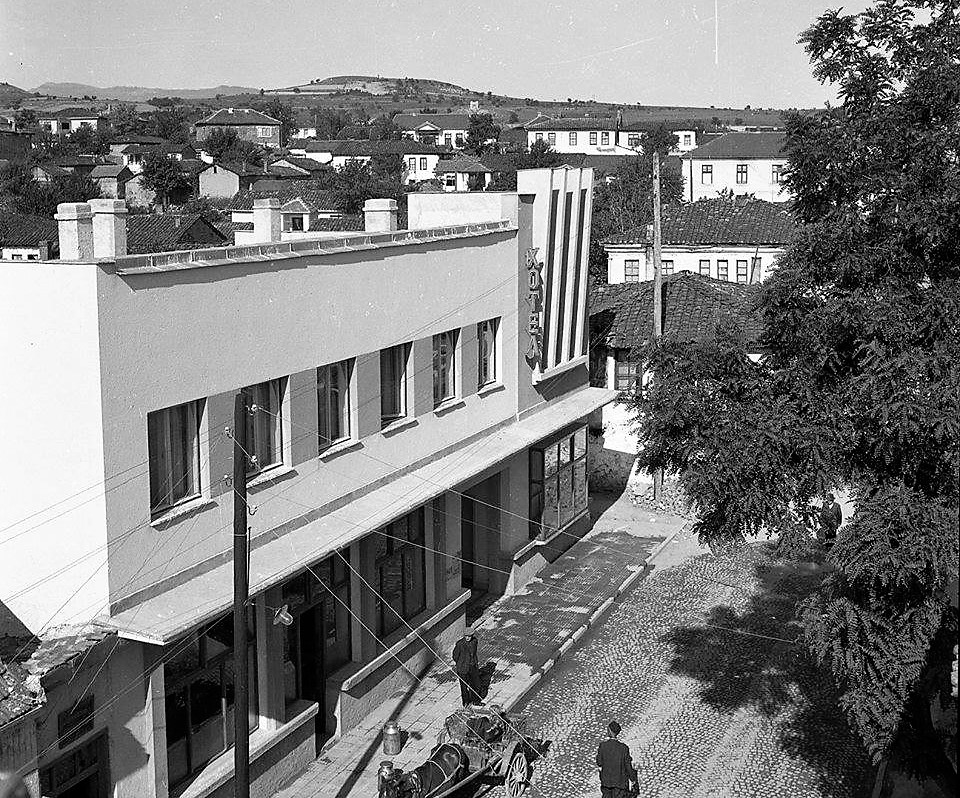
column 169, row 232
column 587, row 135
column 305, row 210
column 739, row 162
column 111, row 179
column 226, row 178
column 27, row 237
column 420, row 159
column 249, row 125
column 463, row 173
column 735, row 239
column 447, row 130
column 68, row 120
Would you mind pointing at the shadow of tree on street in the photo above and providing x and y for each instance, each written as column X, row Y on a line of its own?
column 751, row 655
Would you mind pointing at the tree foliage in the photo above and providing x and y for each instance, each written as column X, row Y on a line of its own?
column 539, row 156
column 21, row 194
column 163, row 176
column 860, row 384
column 482, row 134
column 223, row 144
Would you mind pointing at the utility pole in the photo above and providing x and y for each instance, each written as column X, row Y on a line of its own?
column 657, row 286
column 241, row 590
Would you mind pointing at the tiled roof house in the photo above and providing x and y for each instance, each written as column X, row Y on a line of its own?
column 249, row 125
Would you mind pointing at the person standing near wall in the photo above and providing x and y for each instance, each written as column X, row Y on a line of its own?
column 468, row 667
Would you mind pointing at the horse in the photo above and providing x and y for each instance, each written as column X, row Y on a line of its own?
column 447, row 765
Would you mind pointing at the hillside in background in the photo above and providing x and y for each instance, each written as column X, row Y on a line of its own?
column 10, row 94
column 377, row 86
column 136, row 93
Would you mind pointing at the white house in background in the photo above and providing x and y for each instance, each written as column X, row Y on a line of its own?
column 734, row 240
column 586, row 135
column 744, row 163
column 447, row 130
column 686, row 141
column 67, row 120
column 226, row 179
column 462, row 173
column 118, row 143
column 305, row 211
column 420, row 160
column 27, row 237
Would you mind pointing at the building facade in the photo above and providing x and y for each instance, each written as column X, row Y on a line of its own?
column 587, row 135
column 442, row 130
column 737, row 163
column 65, row 121
column 419, row 159
column 248, row 124
column 413, row 398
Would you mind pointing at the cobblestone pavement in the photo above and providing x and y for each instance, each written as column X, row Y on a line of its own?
column 517, row 635
column 707, row 712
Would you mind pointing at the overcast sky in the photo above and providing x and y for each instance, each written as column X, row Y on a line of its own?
column 656, row 52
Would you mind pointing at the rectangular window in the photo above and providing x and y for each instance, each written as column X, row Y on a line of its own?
column 538, row 136
column 687, row 139
column 296, row 223
column 448, row 139
column 667, row 266
column 200, row 694
column 633, row 141
column 593, row 138
column 777, row 173
column 631, row 271
column 551, row 139
column 333, row 403
column 393, row 383
column 706, row 174
column 558, row 483
column 264, row 132
column 741, row 271
column 423, row 164
column 754, row 269
column 173, row 442
column 627, row 375
column 401, row 566
column 444, row 367
column 487, row 352
column 459, row 139
column 705, row 268
column 605, row 137
column 412, row 164
column 572, row 138
column 741, row 174
column 723, row 270
column 264, row 425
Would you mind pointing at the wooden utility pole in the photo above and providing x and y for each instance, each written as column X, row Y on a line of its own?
column 657, row 286
column 241, row 590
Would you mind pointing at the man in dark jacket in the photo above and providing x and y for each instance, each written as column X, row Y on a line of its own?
column 831, row 516
column 615, row 766
column 468, row 667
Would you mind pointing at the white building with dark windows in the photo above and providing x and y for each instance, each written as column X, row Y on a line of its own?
column 731, row 239
column 586, row 135
column 442, row 130
column 410, row 395
column 419, row 158
column 741, row 163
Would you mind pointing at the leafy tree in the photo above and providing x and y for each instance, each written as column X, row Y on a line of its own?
column 25, row 117
column 383, row 128
column 539, row 156
column 356, row 182
column 84, row 140
column 172, row 124
column 861, row 384
column 224, row 144
column 21, row 194
column 164, row 177
column 124, row 119
column 482, row 134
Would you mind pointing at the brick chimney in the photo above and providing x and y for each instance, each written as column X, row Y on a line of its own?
column 109, row 228
column 266, row 220
column 75, row 230
column 380, row 215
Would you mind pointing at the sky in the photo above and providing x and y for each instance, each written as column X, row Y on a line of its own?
column 652, row 52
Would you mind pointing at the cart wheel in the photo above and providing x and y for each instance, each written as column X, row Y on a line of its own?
column 517, row 777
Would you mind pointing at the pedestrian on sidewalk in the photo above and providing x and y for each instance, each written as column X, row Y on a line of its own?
column 467, row 666
column 831, row 516
column 617, row 774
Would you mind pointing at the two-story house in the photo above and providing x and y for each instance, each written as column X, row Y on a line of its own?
column 68, row 120
column 248, row 124
column 419, row 159
column 443, row 130
column 587, row 135
column 731, row 239
column 407, row 395
column 741, row 163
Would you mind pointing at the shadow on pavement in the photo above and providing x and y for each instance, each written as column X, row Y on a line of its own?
column 739, row 665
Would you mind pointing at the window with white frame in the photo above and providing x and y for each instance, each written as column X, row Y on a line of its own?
column 706, row 174
column 667, row 267
column 593, row 138
column 627, row 375
column 450, row 179
column 777, row 173
column 447, row 139
column 538, row 136
column 741, row 174
column 551, row 139
column 264, row 132
column 173, row 443
column 605, row 137
column 631, row 271
column 633, row 140
column 459, row 139
column 264, row 425
column 687, row 139
column 741, row 271
column 444, row 367
column 487, row 352
column 705, row 268
column 723, row 270
column 393, row 383
column 296, row 223
column 423, row 164
column 333, row 403
column 412, row 164
column 572, row 138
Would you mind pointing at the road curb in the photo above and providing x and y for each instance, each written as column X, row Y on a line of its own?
column 596, row 614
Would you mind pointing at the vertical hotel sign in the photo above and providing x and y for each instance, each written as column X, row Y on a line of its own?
column 535, row 301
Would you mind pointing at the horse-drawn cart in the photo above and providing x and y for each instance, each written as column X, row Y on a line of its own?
column 474, row 742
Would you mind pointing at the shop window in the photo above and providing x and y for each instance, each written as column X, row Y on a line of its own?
column 200, row 693
column 558, row 483
column 401, row 572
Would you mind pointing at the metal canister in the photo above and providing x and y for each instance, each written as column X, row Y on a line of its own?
column 392, row 739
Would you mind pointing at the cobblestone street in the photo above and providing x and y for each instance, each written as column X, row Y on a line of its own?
column 708, row 705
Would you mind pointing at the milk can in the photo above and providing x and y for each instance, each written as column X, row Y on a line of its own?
column 392, row 740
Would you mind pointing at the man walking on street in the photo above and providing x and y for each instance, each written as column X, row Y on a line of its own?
column 468, row 667
column 830, row 519
column 615, row 766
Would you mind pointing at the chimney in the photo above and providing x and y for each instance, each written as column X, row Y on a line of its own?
column 266, row 220
column 75, row 230
column 109, row 228
column 380, row 215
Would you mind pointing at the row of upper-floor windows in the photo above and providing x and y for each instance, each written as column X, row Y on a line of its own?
column 743, row 173
column 173, row 433
column 745, row 271
column 595, row 137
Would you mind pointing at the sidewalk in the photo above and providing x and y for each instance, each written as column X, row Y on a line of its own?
column 522, row 636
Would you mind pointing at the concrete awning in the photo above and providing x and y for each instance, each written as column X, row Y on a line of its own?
column 164, row 618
